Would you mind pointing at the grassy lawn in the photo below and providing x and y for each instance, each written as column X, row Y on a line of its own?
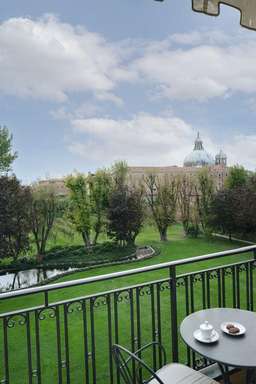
column 178, row 247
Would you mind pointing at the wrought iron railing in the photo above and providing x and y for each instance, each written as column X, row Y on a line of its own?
column 49, row 335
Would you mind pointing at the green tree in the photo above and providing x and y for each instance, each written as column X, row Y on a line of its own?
column 99, row 189
column 126, row 206
column 237, row 177
column 6, row 155
column 43, row 213
column 223, row 212
column 204, row 197
column 119, row 173
column 15, row 201
column 80, row 208
column 125, row 214
column 88, row 204
column 161, row 196
column 252, row 181
column 245, row 211
column 234, row 212
column 187, row 206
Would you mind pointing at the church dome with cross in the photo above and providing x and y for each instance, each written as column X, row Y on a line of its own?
column 199, row 157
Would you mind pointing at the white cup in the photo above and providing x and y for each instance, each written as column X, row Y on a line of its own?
column 206, row 330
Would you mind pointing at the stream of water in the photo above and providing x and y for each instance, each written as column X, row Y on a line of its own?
column 24, row 279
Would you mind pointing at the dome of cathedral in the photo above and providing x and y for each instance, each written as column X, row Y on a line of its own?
column 199, row 157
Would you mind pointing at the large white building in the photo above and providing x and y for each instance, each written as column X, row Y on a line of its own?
column 193, row 162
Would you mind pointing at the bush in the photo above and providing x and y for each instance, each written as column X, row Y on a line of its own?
column 193, row 230
column 5, row 262
column 102, row 252
column 22, row 262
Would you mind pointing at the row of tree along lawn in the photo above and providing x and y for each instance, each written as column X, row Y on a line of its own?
column 109, row 202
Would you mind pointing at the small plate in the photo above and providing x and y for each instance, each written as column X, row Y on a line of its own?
column 198, row 336
column 242, row 329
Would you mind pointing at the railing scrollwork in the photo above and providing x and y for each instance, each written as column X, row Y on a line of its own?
column 14, row 320
column 48, row 312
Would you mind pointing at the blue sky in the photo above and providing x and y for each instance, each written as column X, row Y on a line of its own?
column 85, row 83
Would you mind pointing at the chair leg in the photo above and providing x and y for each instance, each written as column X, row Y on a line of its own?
column 225, row 373
column 251, row 376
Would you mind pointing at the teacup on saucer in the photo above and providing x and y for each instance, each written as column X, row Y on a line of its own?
column 206, row 330
column 198, row 336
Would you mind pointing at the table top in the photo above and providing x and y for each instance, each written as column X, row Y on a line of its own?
column 235, row 351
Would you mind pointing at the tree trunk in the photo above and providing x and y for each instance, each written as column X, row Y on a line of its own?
column 96, row 237
column 97, row 230
column 39, row 258
column 163, row 234
column 185, row 224
column 86, row 239
column 131, row 242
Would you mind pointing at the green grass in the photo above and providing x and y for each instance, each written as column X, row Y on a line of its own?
column 178, row 247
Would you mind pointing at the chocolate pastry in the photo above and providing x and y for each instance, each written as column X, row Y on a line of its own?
column 234, row 330
column 228, row 326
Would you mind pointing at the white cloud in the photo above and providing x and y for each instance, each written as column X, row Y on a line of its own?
column 71, row 112
column 151, row 140
column 200, row 37
column 143, row 140
column 205, row 69
column 242, row 150
column 48, row 59
column 51, row 60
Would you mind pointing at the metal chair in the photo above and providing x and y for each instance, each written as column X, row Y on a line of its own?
column 130, row 367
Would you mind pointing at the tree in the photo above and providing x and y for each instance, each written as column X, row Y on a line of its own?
column 125, row 214
column 204, row 196
column 161, row 196
column 237, row 177
column 252, row 181
column 99, row 189
column 120, row 173
column 234, row 212
column 15, row 201
column 43, row 212
column 125, row 210
column 186, row 192
column 80, row 206
column 223, row 212
column 245, row 211
column 6, row 154
column 187, row 206
column 88, row 203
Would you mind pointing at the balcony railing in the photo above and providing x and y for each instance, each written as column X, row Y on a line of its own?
column 46, row 340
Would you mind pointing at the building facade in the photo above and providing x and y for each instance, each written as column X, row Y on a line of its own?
column 193, row 163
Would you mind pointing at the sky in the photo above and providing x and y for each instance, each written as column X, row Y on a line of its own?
column 86, row 83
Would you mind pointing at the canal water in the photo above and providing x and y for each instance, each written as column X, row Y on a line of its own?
column 24, row 279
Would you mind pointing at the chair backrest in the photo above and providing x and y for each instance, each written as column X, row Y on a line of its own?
column 123, row 357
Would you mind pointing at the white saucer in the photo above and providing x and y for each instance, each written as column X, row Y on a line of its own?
column 242, row 329
column 198, row 336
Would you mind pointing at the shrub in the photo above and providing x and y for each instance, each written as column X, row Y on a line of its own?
column 5, row 262
column 193, row 230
